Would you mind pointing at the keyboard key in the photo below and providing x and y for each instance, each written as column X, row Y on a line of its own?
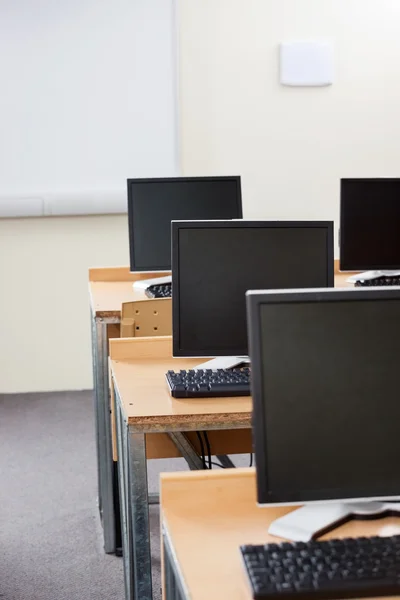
column 203, row 387
column 285, row 587
column 180, row 390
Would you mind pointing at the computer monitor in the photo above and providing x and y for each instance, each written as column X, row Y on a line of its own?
column 154, row 203
column 214, row 263
column 369, row 224
column 326, row 402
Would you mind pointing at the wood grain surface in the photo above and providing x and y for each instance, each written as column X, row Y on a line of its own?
column 209, row 514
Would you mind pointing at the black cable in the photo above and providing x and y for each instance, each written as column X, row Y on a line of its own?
column 208, row 449
column 203, row 454
column 251, row 460
column 217, row 464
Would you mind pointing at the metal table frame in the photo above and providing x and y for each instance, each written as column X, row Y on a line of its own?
column 102, row 413
column 106, row 476
column 134, row 496
column 174, row 585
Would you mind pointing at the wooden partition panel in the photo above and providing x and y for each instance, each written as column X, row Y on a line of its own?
column 147, row 318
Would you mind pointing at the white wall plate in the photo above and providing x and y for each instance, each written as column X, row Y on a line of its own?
column 306, row 63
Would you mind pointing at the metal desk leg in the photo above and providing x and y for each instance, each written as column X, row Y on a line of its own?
column 190, row 455
column 96, row 405
column 174, row 587
column 186, row 449
column 125, row 505
column 103, row 433
column 139, row 503
column 134, row 500
column 225, row 461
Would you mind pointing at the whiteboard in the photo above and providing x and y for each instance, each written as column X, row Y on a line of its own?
column 88, row 99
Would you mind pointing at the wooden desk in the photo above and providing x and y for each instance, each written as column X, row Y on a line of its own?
column 139, row 377
column 150, row 424
column 109, row 288
column 206, row 516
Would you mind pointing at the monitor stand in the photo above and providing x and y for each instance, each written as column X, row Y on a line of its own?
column 368, row 275
column 224, row 362
column 143, row 284
column 310, row 521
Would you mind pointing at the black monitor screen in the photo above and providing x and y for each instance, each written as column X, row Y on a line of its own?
column 214, row 264
column 370, row 224
column 154, row 203
column 326, row 396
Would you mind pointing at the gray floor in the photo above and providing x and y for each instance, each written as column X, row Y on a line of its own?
column 50, row 539
column 50, row 536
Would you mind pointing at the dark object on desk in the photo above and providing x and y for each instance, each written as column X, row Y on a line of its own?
column 214, row 263
column 346, row 568
column 159, row 291
column 154, row 203
column 206, row 383
column 302, row 343
column 117, row 521
column 369, row 224
column 378, row 281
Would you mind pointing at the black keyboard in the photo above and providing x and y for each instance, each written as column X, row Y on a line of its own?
column 382, row 280
column 163, row 290
column 346, row 568
column 206, row 383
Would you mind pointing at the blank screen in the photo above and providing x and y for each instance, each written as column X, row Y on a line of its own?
column 370, row 224
column 217, row 265
column 331, row 399
column 153, row 205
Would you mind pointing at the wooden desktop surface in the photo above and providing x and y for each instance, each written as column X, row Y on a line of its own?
column 111, row 287
column 107, row 298
column 208, row 515
column 139, row 366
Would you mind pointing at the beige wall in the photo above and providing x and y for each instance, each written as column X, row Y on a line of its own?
column 66, row 134
column 291, row 146
column 44, row 308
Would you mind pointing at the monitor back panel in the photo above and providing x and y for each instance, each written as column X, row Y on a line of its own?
column 154, row 203
column 369, row 224
column 326, row 395
column 214, row 264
